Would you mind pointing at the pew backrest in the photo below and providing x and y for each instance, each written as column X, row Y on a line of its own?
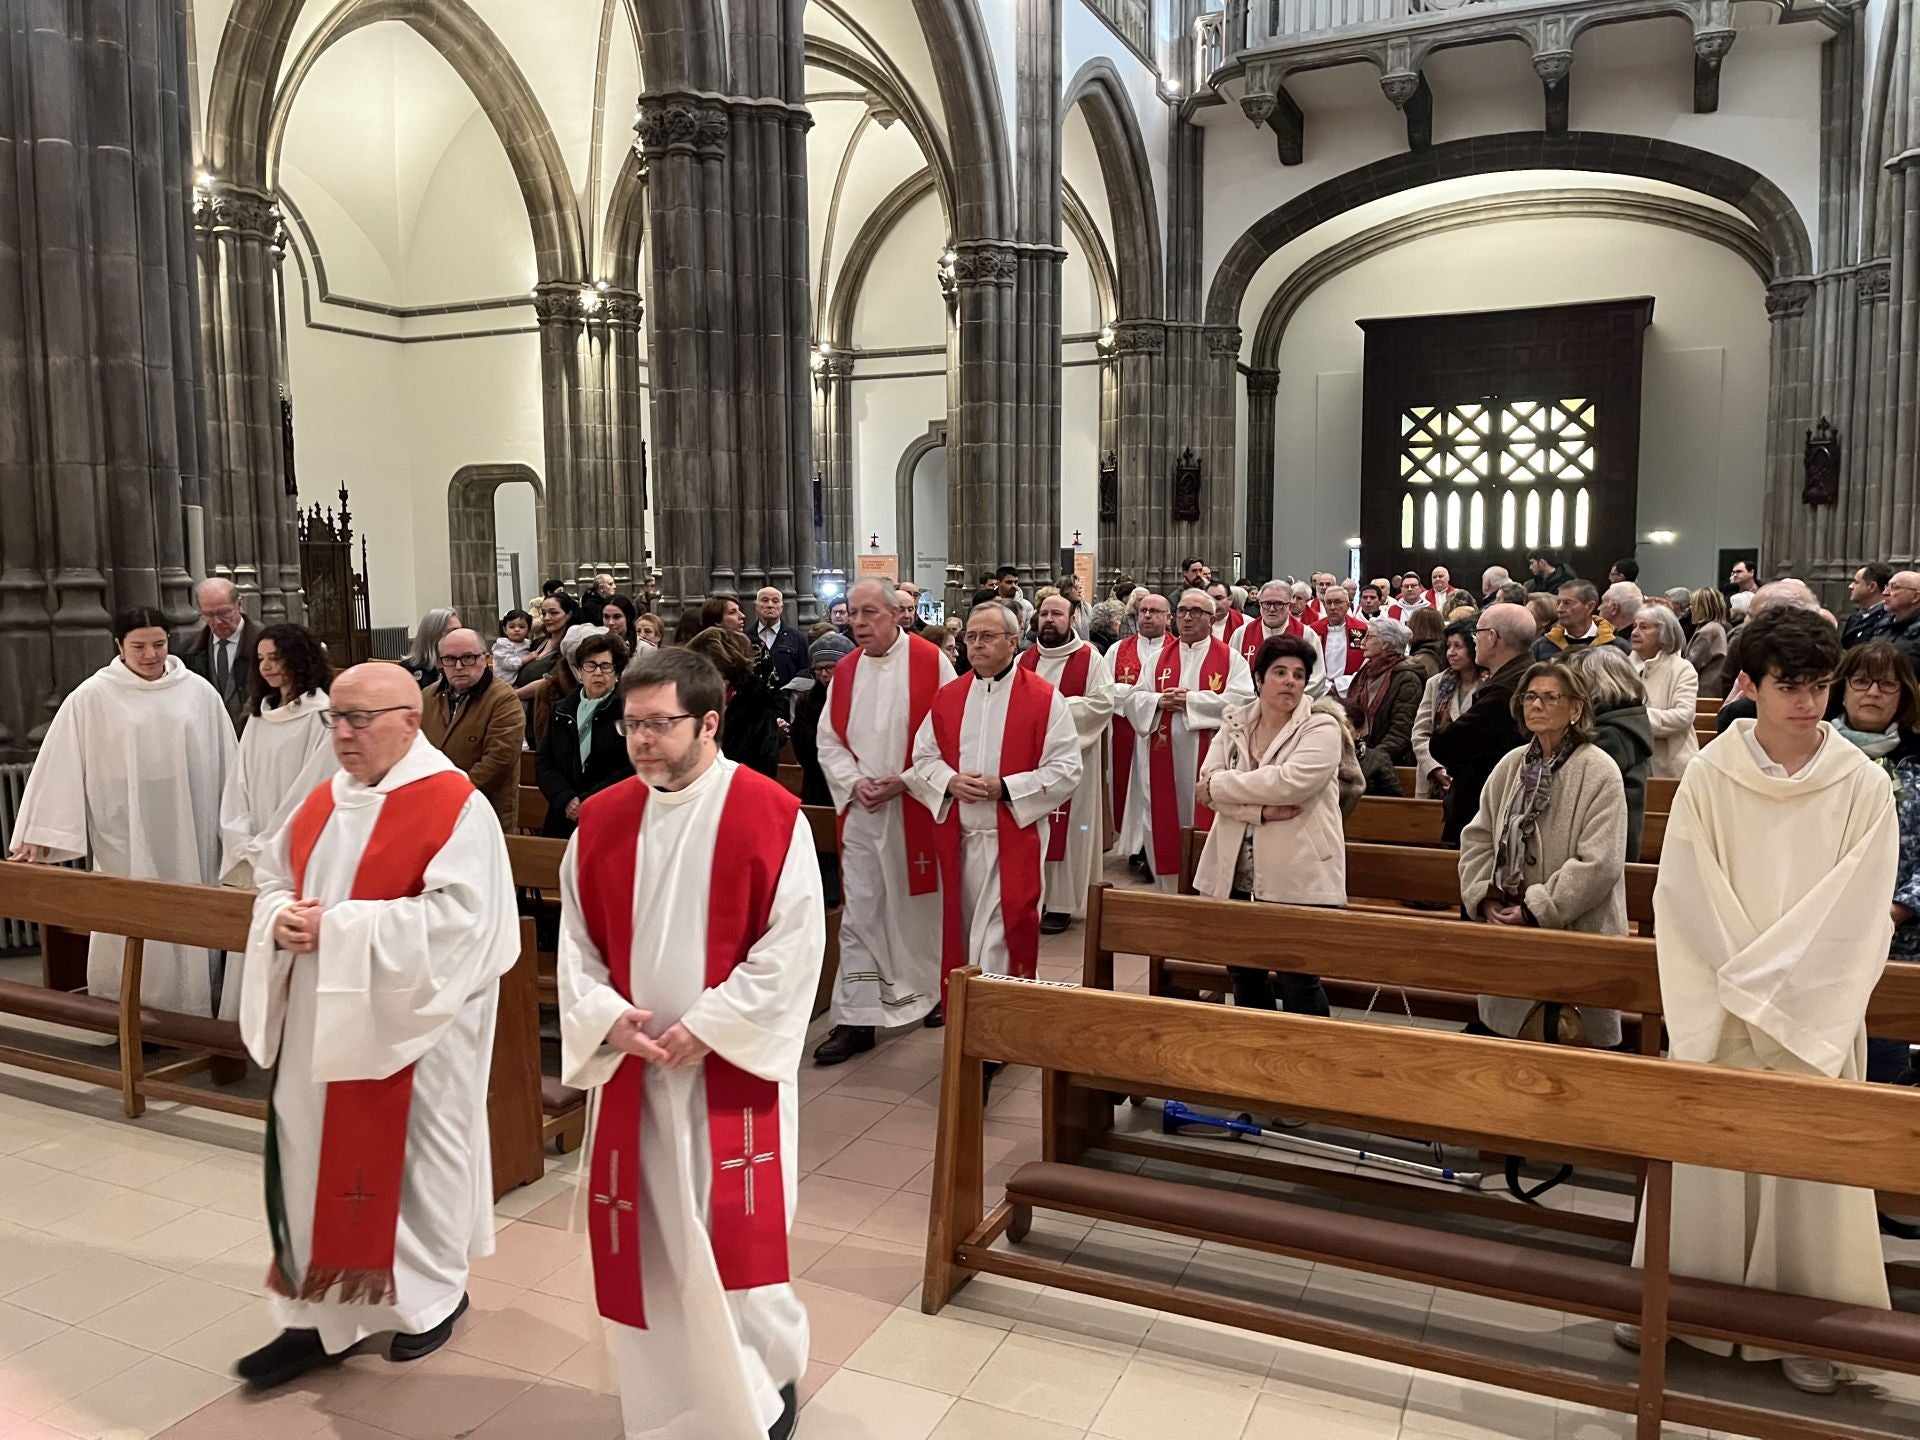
column 153, row 910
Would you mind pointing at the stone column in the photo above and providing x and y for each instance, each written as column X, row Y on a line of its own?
column 1263, row 388
column 1140, row 450
column 833, row 460
column 249, row 522
column 100, row 427
column 590, row 384
column 731, row 388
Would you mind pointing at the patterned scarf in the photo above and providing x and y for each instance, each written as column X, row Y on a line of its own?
column 1515, row 848
column 1369, row 689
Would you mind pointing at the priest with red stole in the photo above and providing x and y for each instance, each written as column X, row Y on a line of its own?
column 1077, row 831
column 892, row 916
column 995, row 757
column 1279, row 617
column 691, row 934
column 1171, row 706
column 383, row 923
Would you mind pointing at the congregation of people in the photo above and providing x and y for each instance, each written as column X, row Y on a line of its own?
column 984, row 769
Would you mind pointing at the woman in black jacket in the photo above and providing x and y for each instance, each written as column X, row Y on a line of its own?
column 582, row 752
column 753, row 727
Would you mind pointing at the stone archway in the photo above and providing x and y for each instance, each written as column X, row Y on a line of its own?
column 473, row 539
column 903, row 506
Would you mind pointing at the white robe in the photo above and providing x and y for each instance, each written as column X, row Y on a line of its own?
column 130, row 773
column 889, row 939
column 1768, row 954
column 394, row 982
column 284, row 754
column 710, row 1364
column 1139, row 705
column 1065, row 887
column 1317, row 683
column 1033, row 795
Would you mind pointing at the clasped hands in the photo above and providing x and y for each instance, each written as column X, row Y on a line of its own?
column 1494, row 913
column 870, row 795
column 973, row 787
column 678, row 1047
column 296, row 929
column 1173, row 700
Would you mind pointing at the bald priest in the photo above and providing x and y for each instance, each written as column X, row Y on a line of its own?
column 383, row 923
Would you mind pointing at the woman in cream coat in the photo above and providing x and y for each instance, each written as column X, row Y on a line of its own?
column 1272, row 779
column 1673, row 685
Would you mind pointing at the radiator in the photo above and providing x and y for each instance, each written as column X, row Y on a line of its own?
column 15, row 935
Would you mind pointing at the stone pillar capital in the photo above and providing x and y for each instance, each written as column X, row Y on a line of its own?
column 1263, row 383
column 1873, row 282
column 984, row 262
column 1787, row 299
column 1138, row 337
column 1223, row 341
column 222, row 207
column 683, row 123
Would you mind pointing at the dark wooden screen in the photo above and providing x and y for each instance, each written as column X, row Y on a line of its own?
column 1488, row 435
column 336, row 594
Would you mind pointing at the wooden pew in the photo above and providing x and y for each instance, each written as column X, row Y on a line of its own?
column 527, row 769
column 1390, row 820
column 532, row 809
column 791, row 776
column 1642, row 1113
column 1659, row 792
column 1707, row 705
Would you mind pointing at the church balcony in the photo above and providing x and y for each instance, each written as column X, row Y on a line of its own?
column 1244, row 53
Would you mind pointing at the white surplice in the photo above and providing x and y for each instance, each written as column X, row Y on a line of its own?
column 394, row 982
column 1317, row 683
column 284, row 753
column 1033, row 795
column 1066, row 882
column 131, row 773
column 1768, row 954
column 889, row 939
column 1139, row 705
column 710, row 1364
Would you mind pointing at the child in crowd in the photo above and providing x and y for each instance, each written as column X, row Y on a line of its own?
column 511, row 649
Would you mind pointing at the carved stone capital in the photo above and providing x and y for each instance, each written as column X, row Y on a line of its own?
column 558, row 303
column 1873, row 282
column 620, row 308
column 681, row 125
column 1263, row 382
column 1787, row 299
column 223, row 208
column 984, row 262
column 837, row 365
column 1258, row 106
column 1400, row 88
column 1713, row 44
column 1139, row 337
column 1223, row 341
column 1553, row 66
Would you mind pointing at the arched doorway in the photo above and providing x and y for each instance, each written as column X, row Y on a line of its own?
column 920, row 510
column 495, row 516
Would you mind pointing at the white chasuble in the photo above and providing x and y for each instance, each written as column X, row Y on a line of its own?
column 983, row 746
column 1067, row 878
column 394, row 983
column 711, row 1361
column 131, row 773
column 889, row 935
column 1768, row 954
column 1142, row 825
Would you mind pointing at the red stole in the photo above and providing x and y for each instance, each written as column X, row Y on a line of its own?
column 1356, row 633
column 363, row 1139
column 1020, row 744
column 1072, row 684
column 747, row 1202
column 1166, row 800
column 923, row 680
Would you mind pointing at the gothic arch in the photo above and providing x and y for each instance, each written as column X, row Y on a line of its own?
column 976, row 125
column 246, row 75
column 1093, row 248
column 624, row 231
column 472, row 538
column 1139, row 269
column 1789, row 248
column 910, row 458
column 891, row 87
column 467, row 44
column 866, row 245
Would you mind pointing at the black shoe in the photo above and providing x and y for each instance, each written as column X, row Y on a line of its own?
column 418, row 1347
column 843, row 1042
column 989, row 1069
column 936, row 1018
column 1054, row 923
column 1138, row 863
column 287, row 1357
column 782, row 1428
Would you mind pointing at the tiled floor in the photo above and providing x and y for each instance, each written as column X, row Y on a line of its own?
column 131, row 1255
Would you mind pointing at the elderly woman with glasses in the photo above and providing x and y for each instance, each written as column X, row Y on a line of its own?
column 1672, row 684
column 1548, row 847
column 582, row 752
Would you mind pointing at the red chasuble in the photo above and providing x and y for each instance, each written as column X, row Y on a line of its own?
column 1072, row 684
column 363, row 1138
column 1166, row 800
column 1020, row 745
column 923, row 680
column 747, row 1210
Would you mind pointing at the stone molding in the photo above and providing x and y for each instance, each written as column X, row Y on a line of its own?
column 1223, row 341
column 1873, row 282
column 837, row 365
column 1139, row 337
column 1788, row 299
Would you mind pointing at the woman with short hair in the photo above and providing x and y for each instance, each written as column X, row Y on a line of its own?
column 1383, row 700
column 1617, row 709
column 650, row 628
column 1272, row 779
column 581, row 752
column 1548, row 846
column 1673, row 685
column 1707, row 649
column 422, row 659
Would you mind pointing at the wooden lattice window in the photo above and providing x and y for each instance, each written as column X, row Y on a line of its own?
column 1498, row 473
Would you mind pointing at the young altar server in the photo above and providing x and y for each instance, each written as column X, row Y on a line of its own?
column 131, row 773
column 384, row 921
column 1772, row 928
column 891, row 917
column 1000, row 742
column 1077, row 831
column 690, row 943
column 1168, row 701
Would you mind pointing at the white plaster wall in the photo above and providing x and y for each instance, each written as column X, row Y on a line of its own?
column 1080, row 448
column 469, row 238
column 901, row 304
column 888, row 415
column 1704, row 383
column 1080, row 172
column 1080, row 311
column 1083, row 35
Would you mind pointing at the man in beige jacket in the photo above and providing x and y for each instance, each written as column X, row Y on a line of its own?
column 473, row 718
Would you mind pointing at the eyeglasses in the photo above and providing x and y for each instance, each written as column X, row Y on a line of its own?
column 358, row 719
column 1484, row 630
column 985, row 637
column 656, row 725
column 596, row 667
column 1861, row 685
column 1193, row 610
column 1273, row 604
column 449, row 662
column 1542, row 697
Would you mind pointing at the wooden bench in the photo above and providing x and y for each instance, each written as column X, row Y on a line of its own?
column 1391, row 820
column 1645, row 1113
column 1707, row 705
column 532, row 810
column 1659, row 792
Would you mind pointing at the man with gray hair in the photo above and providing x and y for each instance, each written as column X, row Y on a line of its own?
column 1468, row 749
column 993, row 759
column 1619, row 605
column 221, row 651
column 1277, row 618
column 891, row 915
column 1173, row 708
column 1788, row 594
column 1491, row 579
column 1578, row 604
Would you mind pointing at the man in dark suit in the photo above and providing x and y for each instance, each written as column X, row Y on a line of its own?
column 786, row 645
column 221, row 651
column 1469, row 748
